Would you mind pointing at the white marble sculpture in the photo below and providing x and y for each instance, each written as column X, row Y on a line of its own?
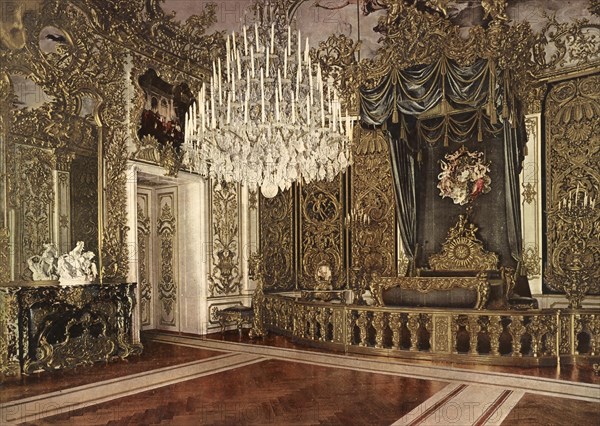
column 77, row 267
column 44, row 267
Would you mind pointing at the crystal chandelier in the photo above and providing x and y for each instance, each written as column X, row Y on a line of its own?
column 267, row 118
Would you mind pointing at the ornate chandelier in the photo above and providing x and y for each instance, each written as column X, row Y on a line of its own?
column 267, row 118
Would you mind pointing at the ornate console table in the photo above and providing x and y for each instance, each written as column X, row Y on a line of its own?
column 48, row 327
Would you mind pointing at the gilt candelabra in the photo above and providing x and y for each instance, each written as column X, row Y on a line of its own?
column 573, row 265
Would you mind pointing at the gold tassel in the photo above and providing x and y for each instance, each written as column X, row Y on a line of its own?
column 492, row 93
column 395, row 115
column 446, row 138
column 402, row 130
column 479, row 130
column 505, row 97
column 419, row 157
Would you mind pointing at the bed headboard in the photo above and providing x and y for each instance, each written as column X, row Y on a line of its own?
column 462, row 251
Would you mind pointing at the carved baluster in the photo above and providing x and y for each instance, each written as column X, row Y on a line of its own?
column 362, row 322
column 312, row 323
column 494, row 331
column 350, row 327
column 579, row 327
column 516, row 330
column 428, row 325
column 455, row 328
column 395, row 325
column 594, row 328
column 320, row 320
column 473, row 327
column 413, row 327
column 379, row 325
column 536, row 328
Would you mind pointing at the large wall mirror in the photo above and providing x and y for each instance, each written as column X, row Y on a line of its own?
column 49, row 146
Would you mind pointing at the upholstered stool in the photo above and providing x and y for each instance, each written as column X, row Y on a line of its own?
column 238, row 315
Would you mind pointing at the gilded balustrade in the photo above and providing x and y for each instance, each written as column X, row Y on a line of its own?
column 521, row 338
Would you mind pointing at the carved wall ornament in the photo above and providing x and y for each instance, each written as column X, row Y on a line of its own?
column 167, row 287
column 225, row 277
column 529, row 193
column 532, row 262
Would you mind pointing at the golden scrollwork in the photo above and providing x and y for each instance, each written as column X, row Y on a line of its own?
column 167, row 286
column 9, row 332
column 335, row 55
column 4, row 255
column 463, row 251
column 574, row 45
column 532, row 261
column 373, row 243
column 225, row 278
column 479, row 284
column 256, row 266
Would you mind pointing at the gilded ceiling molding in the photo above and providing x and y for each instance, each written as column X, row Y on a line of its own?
column 142, row 26
column 573, row 46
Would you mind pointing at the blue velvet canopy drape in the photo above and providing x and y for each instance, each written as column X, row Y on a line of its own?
column 468, row 102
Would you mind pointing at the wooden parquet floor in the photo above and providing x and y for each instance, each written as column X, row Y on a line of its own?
column 540, row 410
column 155, row 355
column 269, row 392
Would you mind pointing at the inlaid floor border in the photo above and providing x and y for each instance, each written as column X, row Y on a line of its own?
column 39, row 406
column 535, row 385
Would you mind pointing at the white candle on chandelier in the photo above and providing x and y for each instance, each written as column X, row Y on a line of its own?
column 272, row 37
column 293, row 107
column 267, row 70
column 228, row 108
column 233, row 86
column 279, row 84
column 256, row 37
column 245, row 41
column 285, row 66
column 220, row 81
column 306, row 50
column 213, row 121
column 227, row 59
column 277, row 105
column 289, row 41
column 262, row 96
column 239, row 67
column 307, row 111
column 299, row 48
column 252, row 60
column 235, row 52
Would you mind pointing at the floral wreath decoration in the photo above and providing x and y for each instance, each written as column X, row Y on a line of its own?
column 464, row 176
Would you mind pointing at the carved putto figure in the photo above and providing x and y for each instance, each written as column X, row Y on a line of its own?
column 44, row 267
column 77, row 265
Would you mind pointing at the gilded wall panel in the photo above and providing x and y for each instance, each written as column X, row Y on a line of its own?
column 373, row 242
column 225, row 276
column 84, row 201
column 32, row 192
column 322, row 232
column 167, row 269
column 277, row 240
column 143, row 253
column 573, row 180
